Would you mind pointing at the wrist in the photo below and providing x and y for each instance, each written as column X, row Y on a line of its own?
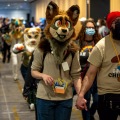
column 81, row 95
column 41, row 75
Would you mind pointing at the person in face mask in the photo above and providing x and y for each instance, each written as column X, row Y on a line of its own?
column 90, row 31
column 104, row 61
column 87, row 38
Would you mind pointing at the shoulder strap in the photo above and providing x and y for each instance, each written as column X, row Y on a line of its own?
column 72, row 53
column 44, row 54
column 68, row 53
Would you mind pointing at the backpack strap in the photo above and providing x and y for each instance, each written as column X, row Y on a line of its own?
column 44, row 54
column 72, row 53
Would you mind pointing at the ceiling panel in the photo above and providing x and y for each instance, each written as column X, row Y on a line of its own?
column 15, row 4
column 16, row 1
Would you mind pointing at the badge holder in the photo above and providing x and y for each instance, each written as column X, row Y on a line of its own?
column 60, row 86
column 118, row 67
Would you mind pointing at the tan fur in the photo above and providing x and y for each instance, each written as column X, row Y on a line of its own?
column 17, row 27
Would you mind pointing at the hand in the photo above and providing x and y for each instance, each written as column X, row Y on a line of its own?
column 81, row 103
column 48, row 79
column 18, row 48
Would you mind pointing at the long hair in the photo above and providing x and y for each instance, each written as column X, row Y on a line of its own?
column 102, row 22
column 81, row 35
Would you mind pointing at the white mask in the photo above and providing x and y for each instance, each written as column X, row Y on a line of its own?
column 98, row 24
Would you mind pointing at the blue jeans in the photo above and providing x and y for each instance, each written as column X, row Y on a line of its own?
column 53, row 110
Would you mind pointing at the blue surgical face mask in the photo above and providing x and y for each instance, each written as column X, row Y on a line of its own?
column 90, row 31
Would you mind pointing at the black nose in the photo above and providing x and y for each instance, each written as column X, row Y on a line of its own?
column 64, row 30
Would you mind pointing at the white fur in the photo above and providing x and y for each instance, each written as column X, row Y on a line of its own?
column 31, row 43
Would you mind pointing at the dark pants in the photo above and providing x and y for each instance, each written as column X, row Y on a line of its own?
column 53, row 110
column 23, row 70
column 6, row 52
column 89, row 114
column 107, row 109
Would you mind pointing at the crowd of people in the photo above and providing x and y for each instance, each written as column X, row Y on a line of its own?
column 90, row 64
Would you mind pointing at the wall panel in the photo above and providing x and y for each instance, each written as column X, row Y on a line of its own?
column 39, row 7
column 99, row 9
column 114, row 5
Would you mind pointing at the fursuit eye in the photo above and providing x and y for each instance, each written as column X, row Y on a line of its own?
column 29, row 36
column 67, row 24
column 36, row 36
column 58, row 23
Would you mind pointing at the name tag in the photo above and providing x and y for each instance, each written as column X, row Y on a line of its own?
column 65, row 66
column 59, row 89
column 60, row 86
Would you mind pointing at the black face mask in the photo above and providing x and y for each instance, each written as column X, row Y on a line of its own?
column 116, row 31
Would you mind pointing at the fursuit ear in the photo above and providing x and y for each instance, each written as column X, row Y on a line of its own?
column 51, row 11
column 26, row 30
column 73, row 12
column 38, row 29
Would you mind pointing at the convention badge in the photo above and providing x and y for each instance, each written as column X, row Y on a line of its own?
column 65, row 66
column 82, row 53
column 60, row 86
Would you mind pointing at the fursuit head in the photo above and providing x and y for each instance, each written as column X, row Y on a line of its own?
column 17, row 24
column 17, row 29
column 31, row 38
column 59, row 29
column 16, row 32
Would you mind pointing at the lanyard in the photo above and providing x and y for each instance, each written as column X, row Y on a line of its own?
column 115, row 50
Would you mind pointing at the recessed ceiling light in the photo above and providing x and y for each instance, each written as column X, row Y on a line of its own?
column 25, row 0
column 8, row 5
